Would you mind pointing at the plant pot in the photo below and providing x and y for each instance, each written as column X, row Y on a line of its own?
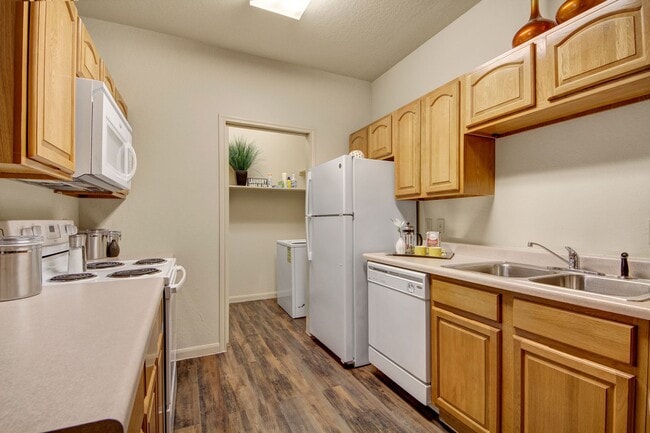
column 242, row 176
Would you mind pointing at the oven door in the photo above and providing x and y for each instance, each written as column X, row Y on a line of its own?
column 113, row 157
column 171, row 344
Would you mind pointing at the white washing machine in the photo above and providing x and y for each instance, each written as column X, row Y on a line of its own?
column 291, row 276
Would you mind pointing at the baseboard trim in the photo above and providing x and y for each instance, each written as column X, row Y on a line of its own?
column 198, row 351
column 252, row 297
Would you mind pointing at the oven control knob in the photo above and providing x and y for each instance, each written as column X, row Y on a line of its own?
column 71, row 229
column 37, row 231
column 27, row 232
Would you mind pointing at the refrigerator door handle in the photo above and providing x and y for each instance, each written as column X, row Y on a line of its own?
column 308, row 214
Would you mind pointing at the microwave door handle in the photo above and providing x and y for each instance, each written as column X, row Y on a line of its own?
column 131, row 172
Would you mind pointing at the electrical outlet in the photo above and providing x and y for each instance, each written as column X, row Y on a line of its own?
column 428, row 224
column 441, row 225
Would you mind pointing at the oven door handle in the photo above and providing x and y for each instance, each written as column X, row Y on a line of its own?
column 176, row 286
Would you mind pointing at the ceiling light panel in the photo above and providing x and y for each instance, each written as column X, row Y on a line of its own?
column 289, row 8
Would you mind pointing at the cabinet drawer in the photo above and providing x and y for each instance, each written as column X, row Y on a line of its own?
column 474, row 301
column 608, row 43
column 603, row 337
column 501, row 87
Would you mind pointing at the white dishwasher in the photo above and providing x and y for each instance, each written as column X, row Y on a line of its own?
column 398, row 327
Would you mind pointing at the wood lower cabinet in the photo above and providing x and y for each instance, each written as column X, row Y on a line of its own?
column 558, row 392
column 504, row 362
column 466, row 356
column 380, row 139
column 359, row 141
column 466, row 369
column 37, row 70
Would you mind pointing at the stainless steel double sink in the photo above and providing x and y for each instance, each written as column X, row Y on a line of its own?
column 628, row 289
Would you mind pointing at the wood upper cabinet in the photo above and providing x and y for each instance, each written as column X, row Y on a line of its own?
column 51, row 104
column 597, row 48
column 107, row 78
column 88, row 58
column 380, row 139
column 439, row 162
column 359, row 141
column 592, row 62
column 37, row 69
column 503, row 86
column 440, row 147
column 406, row 146
column 465, row 356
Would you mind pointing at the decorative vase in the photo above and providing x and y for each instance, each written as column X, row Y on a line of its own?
column 400, row 246
column 242, row 176
column 536, row 25
column 572, row 8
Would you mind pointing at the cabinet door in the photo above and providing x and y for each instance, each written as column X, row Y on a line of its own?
column 88, row 60
column 504, row 86
column 108, row 79
column 441, row 140
column 609, row 43
column 465, row 370
column 359, row 141
column 406, row 145
column 51, row 106
column 559, row 393
column 379, row 139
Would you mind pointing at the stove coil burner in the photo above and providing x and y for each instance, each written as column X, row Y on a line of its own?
column 104, row 265
column 72, row 277
column 155, row 261
column 128, row 273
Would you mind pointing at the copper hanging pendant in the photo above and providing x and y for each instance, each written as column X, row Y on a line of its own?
column 534, row 27
column 571, row 8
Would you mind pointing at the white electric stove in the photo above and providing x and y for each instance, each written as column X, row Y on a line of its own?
column 55, row 272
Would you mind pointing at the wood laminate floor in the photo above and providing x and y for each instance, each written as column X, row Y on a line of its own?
column 275, row 378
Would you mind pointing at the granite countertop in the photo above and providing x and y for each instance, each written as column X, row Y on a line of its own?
column 72, row 355
column 463, row 253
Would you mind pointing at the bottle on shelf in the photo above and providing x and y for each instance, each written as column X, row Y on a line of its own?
column 269, row 180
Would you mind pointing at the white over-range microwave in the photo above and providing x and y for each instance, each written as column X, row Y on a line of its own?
column 104, row 142
column 104, row 156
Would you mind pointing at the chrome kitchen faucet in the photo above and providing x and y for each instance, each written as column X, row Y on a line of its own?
column 574, row 260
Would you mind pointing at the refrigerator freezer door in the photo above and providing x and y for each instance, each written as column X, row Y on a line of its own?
column 330, row 191
column 330, row 285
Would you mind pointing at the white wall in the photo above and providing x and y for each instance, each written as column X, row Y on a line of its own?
column 259, row 218
column 22, row 201
column 583, row 183
column 175, row 90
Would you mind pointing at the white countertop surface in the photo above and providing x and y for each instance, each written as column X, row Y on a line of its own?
column 72, row 355
column 474, row 254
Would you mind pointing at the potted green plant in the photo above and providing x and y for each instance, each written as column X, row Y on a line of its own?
column 241, row 155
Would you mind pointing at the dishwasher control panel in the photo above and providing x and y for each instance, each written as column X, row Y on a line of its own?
column 402, row 280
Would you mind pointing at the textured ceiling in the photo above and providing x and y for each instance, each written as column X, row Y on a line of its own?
column 356, row 38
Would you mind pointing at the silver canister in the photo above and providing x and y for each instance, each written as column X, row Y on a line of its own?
column 77, row 254
column 20, row 267
column 96, row 241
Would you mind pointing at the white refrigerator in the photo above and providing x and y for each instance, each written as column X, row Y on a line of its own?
column 350, row 203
